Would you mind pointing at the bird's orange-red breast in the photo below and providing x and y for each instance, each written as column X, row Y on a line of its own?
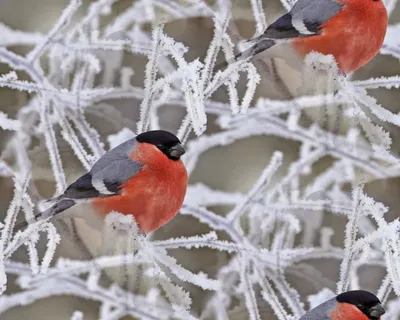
column 154, row 195
column 353, row 36
column 347, row 311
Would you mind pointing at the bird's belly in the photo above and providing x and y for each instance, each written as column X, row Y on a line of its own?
column 350, row 52
column 284, row 52
column 355, row 55
column 157, row 206
column 152, row 201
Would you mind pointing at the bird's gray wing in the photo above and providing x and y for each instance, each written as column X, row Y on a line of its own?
column 107, row 174
column 103, row 180
column 321, row 312
column 304, row 19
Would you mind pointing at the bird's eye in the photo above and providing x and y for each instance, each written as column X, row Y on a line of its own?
column 360, row 307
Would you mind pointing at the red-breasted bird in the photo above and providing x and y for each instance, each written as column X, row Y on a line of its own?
column 351, row 30
column 350, row 305
column 143, row 177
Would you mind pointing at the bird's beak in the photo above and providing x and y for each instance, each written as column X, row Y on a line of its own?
column 176, row 151
column 376, row 311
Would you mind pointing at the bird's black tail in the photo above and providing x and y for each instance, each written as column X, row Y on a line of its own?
column 57, row 208
column 259, row 46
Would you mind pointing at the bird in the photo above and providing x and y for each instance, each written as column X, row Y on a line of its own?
column 143, row 177
column 350, row 305
column 352, row 31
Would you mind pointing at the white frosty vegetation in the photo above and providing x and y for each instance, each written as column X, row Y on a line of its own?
column 272, row 231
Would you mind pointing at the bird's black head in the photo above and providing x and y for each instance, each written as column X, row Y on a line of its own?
column 165, row 141
column 367, row 302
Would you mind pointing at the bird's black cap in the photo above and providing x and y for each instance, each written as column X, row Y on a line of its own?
column 367, row 302
column 158, row 137
column 167, row 142
column 358, row 297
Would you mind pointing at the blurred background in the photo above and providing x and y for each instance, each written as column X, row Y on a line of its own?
column 231, row 168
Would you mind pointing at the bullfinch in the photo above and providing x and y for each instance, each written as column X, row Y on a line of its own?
column 350, row 305
column 351, row 30
column 144, row 177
